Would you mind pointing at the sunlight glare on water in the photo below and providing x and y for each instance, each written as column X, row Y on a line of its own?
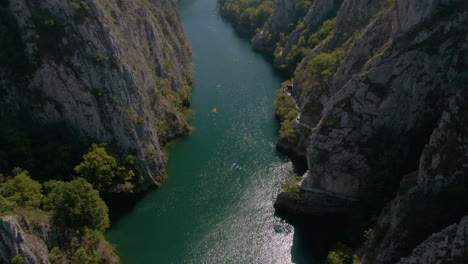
column 207, row 211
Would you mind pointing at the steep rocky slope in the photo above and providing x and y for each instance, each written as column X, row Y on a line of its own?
column 380, row 107
column 74, row 73
column 14, row 241
column 41, row 243
column 114, row 71
column 436, row 198
column 381, row 92
column 447, row 246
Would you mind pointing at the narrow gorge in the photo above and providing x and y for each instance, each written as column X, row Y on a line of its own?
column 234, row 131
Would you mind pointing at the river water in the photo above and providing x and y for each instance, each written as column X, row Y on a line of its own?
column 207, row 211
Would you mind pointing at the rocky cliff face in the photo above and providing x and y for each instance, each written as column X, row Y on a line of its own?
column 115, row 71
column 16, row 240
column 32, row 242
column 391, row 104
column 382, row 122
column 283, row 15
column 391, row 100
column 435, row 199
column 447, row 246
column 38, row 243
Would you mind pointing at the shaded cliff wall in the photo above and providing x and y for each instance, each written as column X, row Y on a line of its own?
column 32, row 242
column 382, row 121
column 118, row 72
column 46, row 243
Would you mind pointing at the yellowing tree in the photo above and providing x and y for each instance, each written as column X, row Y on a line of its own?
column 98, row 168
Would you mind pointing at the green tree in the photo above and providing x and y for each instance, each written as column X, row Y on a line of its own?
column 287, row 113
column 341, row 254
column 80, row 256
column 6, row 205
column 22, row 190
column 77, row 205
column 98, row 168
column 295, row 56
column 18, row 259
column 56, row 256
column 325, row 65
column 301, row 8
column 325, row 30
column 292, row 188
column 248, row 16
column 263, row 12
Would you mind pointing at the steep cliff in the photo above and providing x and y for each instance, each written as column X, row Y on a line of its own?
column 290, row 22
column 115, row 71
column 381, row 105
column 381, row 89
column 44, row 243
column 15, row 240
column 447, row 246
column 436, row 198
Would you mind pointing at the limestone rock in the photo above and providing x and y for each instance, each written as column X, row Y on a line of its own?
column 448, row 246
column 390, row 122
column 435, row 200
column 390, row 99
column 283, row 13
column 16, row 238
column 109, row 70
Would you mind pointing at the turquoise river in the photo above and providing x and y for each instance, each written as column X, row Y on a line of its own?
column 207, row 211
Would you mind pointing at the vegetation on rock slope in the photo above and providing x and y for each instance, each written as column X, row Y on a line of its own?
column 248, row 16
column 336, row 47
column 57, row 72
column 73, row 206
column 62, row 87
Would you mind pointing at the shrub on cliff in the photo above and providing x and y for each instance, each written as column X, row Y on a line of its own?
column 286, row 112
column 324, row 65
column 18, row 259
column 307, row 42
column 101, row 169
column 319, row 70
column 287, row 131
column 342, row 254
column 247, row 15
column 325, row 31
column 21, row 190
column 76, row 205
column 292, row 188
column 97, row 167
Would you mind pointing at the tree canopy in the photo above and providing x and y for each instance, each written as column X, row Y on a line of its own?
column 249, row 16
column 98, row 168
column 22, row 190
column 102, row 170
column 77, row 205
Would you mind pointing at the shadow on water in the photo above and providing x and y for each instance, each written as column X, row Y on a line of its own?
column 314, row 236
column 299, row 165
column 123, row 204
column 205, row 212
